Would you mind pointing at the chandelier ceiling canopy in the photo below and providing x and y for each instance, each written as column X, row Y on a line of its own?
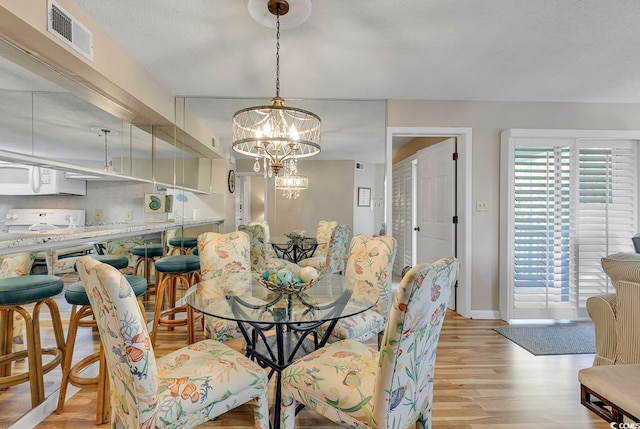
column 276, row 132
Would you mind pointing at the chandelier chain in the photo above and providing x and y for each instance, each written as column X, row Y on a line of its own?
column 278, row 51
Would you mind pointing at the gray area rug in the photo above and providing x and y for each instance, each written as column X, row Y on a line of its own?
column 552, row 339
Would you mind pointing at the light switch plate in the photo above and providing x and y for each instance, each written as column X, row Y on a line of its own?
column 482, row 206
column 98, row 215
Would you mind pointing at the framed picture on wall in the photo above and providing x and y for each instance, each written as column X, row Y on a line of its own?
column 364, row 197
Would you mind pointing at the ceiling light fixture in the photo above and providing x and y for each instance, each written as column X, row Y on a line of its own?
column 276, row 133
column 290, row 183
column 104, row 131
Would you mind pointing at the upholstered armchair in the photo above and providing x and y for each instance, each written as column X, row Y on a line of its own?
column 357, row 386
column 336, row 257
column 616, row 316
column 182, row 389
column 368, row 272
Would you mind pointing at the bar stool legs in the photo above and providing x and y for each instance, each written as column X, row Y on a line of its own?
column 169, row 284
column 34, row 351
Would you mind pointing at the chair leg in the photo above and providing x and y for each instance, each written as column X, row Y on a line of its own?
column 422, row 422
column 104, row 404
column 288, row 412
column 6, row 338
column 261, row 411
column 68, row 357
column 158, row 309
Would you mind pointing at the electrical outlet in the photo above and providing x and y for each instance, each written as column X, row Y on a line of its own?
column 482, row 206
column 129, row 215
column 98, row 215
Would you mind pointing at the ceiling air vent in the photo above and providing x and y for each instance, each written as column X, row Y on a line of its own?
column 359, row 165
column 69, row 30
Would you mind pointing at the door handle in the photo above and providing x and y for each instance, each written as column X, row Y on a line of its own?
column 416, row 228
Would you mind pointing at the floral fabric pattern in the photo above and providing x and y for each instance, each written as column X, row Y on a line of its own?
column 224, row 257
column 323, row 236
column 180, row 390
column 270, row 253
column 260, row 255
column 352, row 384
column 368, row 270
column 336, row 258
column 16, row 265
column 123, row 247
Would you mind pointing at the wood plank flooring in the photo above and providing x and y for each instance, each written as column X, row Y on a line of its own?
column 482, row 380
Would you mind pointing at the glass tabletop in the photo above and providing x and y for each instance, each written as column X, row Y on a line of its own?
column 246, row 300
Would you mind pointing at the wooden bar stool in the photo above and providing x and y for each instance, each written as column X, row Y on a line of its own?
column 15, row 293
column 145, row 264
column 77, row 296
column 183, row 245
column 183, row 269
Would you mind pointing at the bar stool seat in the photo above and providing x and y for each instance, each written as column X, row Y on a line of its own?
column 173, row 269
column 183, row 244
column 116, row 261
column 15, row 292
column 77, row 296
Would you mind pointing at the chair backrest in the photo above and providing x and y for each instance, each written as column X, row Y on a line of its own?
column 404, row 384
column 16, row 265
column 338, row 249
column 269, row 252
column 323, row 236
column 225, row 256
column 369, row 269
column 257, row 243
column 123, row 247
column 132, row 365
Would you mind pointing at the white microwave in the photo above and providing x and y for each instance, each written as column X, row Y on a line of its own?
column 19, row 179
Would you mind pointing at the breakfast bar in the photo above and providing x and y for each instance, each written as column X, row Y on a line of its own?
column 65, row 237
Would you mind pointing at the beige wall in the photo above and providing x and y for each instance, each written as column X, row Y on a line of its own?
column 488, row 119
column 331, row 196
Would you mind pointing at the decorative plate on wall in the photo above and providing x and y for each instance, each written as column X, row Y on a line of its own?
column 231, row 181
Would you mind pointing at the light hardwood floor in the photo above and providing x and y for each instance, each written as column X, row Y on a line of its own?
column 482, row 380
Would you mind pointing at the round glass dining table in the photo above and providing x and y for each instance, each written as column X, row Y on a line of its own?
column 278, row 328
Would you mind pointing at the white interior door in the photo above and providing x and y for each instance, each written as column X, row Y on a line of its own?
column 435, row 235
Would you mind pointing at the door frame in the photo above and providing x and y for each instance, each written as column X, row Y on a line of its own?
column 464, row 135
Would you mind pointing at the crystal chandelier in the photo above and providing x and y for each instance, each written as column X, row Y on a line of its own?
column 290, row 183
column 276, row 133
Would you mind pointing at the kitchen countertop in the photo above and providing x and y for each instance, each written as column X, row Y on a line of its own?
column 38, row 241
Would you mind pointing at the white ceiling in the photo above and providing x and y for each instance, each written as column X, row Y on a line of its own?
column 523, row 50
column 350, row 55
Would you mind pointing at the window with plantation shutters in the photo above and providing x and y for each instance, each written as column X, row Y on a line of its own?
column 607, row 209
column 566, row 203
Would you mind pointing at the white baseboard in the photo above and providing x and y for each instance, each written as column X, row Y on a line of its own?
column 485, row 314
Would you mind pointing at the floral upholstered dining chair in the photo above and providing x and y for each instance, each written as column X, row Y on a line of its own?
column 180, row 390
column 336, row 257
column 357, row 386
column 323, row 236
column 15, row 265
column 226, row 258
column 368, row 273
column 263, row 256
